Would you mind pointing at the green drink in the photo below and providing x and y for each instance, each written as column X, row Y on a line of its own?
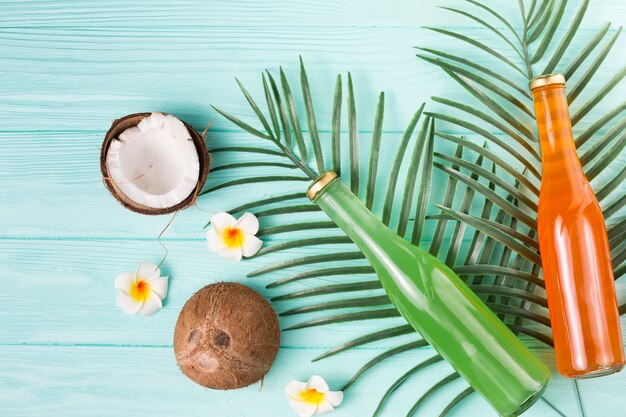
column 439, row 305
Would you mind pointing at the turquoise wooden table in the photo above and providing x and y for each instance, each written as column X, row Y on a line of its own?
column 67, row 69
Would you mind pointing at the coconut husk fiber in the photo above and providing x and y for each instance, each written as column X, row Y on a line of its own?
column 226, row 337
column 132, row 120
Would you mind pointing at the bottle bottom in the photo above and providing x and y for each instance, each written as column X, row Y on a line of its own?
column 600, row 370
column 528, row 402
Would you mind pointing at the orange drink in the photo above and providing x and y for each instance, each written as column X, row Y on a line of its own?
column 574, row 247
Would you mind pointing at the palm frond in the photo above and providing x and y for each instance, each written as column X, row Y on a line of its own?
column 308, row 260
column 293, row 117
column 411, row 179
column 373, row 301
column 374, row 152
column 310, row 115
column 381, row 357
column 331, row 289
column 354, row 139
column 368, row 338
column 402, row 379
column 342, row 318
column 484, row 221
column 432, row 390
column 323, row 272
column 315, row 241
column 395, row 169
column 503, row 249
column 423, row 194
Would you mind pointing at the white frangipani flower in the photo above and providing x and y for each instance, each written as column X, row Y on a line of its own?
column 232, row 238
column 141, row 291
column 313, row 397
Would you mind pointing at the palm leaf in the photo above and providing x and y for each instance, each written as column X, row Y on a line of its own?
column 342, row 318
column 295, row 227
column 501, row 261
column 252, row 165
column 455, row 401
column 376, row 360
column 423, row 194
column 281, row 109
column 336, row 127
column 354, row 139
column 369, row 338
column 403, row 378
column 503, row 249
column 331, row 289
column 412, row 191
column 293, row 116
column 310, row 115
column 324, row 272
column 430, row 391
column 374, row 301
column 395, row 169
column 254, row 180
column 479, row 45
column 374, row 152
column 411, row 178
column 440, row 228
column 307, row 260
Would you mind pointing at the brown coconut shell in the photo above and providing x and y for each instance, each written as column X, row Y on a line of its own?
column 132, row 120
column 226, row 337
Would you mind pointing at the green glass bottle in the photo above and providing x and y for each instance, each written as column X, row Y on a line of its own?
column 439, row 305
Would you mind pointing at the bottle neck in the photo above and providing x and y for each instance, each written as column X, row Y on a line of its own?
column 558, row 151
column 351, row 215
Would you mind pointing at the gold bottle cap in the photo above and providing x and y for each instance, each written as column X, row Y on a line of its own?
column 321, row 182
column 546, row 79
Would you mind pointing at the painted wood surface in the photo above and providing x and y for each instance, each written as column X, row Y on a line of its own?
column 68, row 68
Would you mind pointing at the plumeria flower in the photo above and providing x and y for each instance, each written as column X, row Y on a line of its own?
column 232, row 238
column 313, row 397
column 141, row 291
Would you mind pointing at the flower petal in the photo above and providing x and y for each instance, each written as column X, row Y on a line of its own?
column 318, row 383
column 124, row 281
column 324, row 407
column 248, row 223
column 234, row 254
column 221, row 221
column 294, row 388
column 147, row 270
column 303, row 409
column 128, row 304
column 215, row 241
column 159, row 286
column 151, row 305
column 251, row 245
column 334, row 397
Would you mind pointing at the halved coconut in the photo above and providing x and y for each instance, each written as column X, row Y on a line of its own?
column 154, row 163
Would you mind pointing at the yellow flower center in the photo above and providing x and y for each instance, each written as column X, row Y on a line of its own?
column 312, row 396
column 139, row 290
column 233, row 237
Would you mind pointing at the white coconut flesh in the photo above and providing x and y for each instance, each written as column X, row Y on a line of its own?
column 155, row 163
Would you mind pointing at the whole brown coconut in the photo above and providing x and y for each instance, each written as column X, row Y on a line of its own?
column 226, row 337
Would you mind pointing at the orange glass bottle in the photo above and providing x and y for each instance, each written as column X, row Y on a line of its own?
column 574, row 247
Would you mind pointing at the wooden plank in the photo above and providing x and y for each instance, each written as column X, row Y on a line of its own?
column 36, row 13
column 69, row 68
column 93, row 75
column 48, row 179
column 51, row 381
column 61, row 292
